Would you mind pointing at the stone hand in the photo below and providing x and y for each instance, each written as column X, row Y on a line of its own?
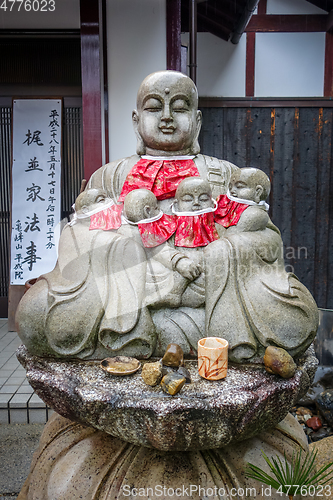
column 188, row 269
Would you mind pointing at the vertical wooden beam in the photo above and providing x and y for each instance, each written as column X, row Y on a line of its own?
column 193, row 39
column 105, row 81
column 271, row 161
column 250, row 64
column 91, row 86
column 15, row 294
column 262, row 7
column 173, row 31
column 328, row 75
column 295, row 170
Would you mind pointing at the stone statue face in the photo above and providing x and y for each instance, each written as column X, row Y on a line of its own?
column 167, row 121
column 243, row 185
column 194, row 194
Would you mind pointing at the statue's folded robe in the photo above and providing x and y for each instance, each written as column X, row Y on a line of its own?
column 95, row 292
column 250, row 298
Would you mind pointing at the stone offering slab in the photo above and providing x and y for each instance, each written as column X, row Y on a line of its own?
column 204, row 415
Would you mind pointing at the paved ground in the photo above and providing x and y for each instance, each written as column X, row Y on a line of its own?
column 17, row 445
column 22, row 417
column 18, row 403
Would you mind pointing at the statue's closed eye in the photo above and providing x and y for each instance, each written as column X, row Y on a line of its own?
column 153, row 104
column 180, row 105
column 204, row 197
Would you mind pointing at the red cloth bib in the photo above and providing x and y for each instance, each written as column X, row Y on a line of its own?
column 156, row 233
column 228, row 212
column 162, row 177
column 195, row 231
column 107, row 219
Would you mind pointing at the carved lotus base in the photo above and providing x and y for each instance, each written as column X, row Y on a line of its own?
column 76, row 462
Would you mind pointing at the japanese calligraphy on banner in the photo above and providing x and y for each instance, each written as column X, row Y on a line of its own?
column 36, row 174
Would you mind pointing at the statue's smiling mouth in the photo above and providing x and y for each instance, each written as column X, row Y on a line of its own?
column 167, row 130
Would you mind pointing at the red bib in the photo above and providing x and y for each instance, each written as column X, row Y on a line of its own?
column 161, row 177
column 156, row 233
column 107, row 219
column 228, row 212
column 195, row 230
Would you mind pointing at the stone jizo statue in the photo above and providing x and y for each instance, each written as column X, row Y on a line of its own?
column 106, row 298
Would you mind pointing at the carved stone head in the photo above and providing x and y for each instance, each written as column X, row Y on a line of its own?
column 250, row 183
column 91, row 199
column 167, row 121
column 140, row 204
column 193, row 194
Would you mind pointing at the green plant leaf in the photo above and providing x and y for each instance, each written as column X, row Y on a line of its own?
column 300, row 472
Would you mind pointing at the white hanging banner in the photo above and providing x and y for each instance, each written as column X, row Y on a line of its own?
column 36, row 174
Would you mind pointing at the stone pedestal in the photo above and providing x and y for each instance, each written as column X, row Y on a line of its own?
column 76, row 462
column 118, row 438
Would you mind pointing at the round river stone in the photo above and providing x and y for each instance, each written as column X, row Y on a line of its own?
column 203, row 415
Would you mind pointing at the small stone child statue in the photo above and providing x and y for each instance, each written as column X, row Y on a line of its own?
column 164, row 286
column 89, row 205
column 243, row 208
column 194, row 208
column 149, row 226
column 190, row 228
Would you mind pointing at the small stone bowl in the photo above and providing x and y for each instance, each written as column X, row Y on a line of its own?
column 120, row 365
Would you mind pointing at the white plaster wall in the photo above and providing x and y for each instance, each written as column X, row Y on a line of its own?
column 136, row 38
column 289, row 64
column 221, row 66
column 292, row 7
column 65, row 16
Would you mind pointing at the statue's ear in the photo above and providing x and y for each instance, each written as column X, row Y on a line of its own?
column 140, row 147
column 146, row 211
column 258, row 193
column 84, row 209
column 195, row 143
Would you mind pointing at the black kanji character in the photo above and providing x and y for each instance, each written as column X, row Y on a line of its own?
column 33, row 137
column 33, row 165
column 33, row 224
column 31, row 257
column 34, row 193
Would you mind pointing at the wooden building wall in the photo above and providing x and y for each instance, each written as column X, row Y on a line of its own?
column 293, row 145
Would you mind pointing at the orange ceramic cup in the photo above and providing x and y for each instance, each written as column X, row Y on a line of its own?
column 213, row 358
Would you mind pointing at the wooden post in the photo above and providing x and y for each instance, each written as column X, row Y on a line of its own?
column 15, row 293
column 250, row 64
column 91, row 86
column 173, row 19
column 328, row 75
column 193, row 39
